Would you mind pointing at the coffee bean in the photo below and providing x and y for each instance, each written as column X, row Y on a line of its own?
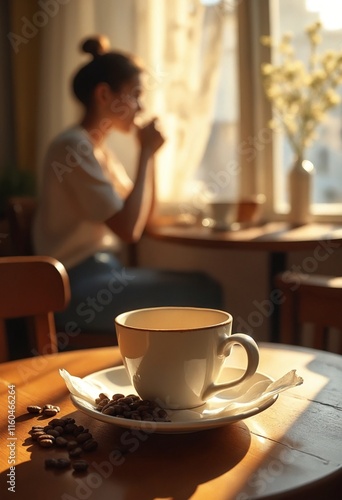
column 59, row 429
column 68, row 420
column 70, row 427
column 46, row 442
column 135, row 415
column 79, row 429
column 145, row 415
column 47, row 436
column 64, row 433
column 35, row 435
column 75, row 452
column 63, row 463
column 54, row 433
column 84, row 436
column 134, row 396
column 72, row 444
column 110, row 410
column 102, row 403
column 80, row 465
column 132, row 407
column 51, row 463
column 61, row 442
column 115, row 397
column 114, row 409
column 90, row 445
column 37, row 428
column 34, row 409
column 50, row 412
column 57, row 422
column 102, row 397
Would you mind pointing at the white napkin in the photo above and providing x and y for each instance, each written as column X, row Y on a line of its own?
column 256, row 395
column 81, row 388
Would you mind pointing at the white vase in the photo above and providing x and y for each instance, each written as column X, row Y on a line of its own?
column 300, row 191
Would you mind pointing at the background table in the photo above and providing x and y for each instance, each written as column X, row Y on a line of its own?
column 292, row 449
column 276, row 238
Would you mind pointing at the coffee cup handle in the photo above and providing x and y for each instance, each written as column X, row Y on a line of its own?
column 252, row 351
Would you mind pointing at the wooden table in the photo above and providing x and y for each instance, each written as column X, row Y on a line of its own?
column 276, row 238
column 291, row 450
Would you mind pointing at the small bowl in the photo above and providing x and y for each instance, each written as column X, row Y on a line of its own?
column 250, row 209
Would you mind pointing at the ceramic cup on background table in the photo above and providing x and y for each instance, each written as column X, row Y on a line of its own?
column 174, row 355
column 224, row 214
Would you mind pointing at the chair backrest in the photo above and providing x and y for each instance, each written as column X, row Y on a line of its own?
column 20, row 212
column 314, row 300
column 35, row 287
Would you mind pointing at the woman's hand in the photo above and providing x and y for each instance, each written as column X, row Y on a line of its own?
column 150, row 138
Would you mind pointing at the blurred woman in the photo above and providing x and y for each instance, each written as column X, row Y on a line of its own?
column 88, row 203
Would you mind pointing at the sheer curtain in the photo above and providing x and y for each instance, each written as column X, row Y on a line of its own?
column 180, row 43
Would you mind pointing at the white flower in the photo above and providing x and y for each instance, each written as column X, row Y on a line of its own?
column 301, row 95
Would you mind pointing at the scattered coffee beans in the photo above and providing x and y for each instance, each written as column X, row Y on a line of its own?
column 132, row 407
column 75, row 439
column 62, row 433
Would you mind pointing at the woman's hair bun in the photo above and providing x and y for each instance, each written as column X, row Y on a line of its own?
column 96, row 45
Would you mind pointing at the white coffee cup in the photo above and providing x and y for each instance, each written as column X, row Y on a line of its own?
column 224, row 213
column 174, row 355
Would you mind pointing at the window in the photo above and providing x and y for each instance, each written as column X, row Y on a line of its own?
column 242, row 111
column 293, row 16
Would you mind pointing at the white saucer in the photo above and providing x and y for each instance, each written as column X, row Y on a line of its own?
column 220, row 226
column 115, row 380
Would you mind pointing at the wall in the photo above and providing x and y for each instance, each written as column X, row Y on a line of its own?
column 25, row 51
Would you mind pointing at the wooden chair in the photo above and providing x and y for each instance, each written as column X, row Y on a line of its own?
column 33, row 287
column 314, row 300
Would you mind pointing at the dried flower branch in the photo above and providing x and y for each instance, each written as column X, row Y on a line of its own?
column 302, row 95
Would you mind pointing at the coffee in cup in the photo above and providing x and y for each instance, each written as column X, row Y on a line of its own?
column 174, row 355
